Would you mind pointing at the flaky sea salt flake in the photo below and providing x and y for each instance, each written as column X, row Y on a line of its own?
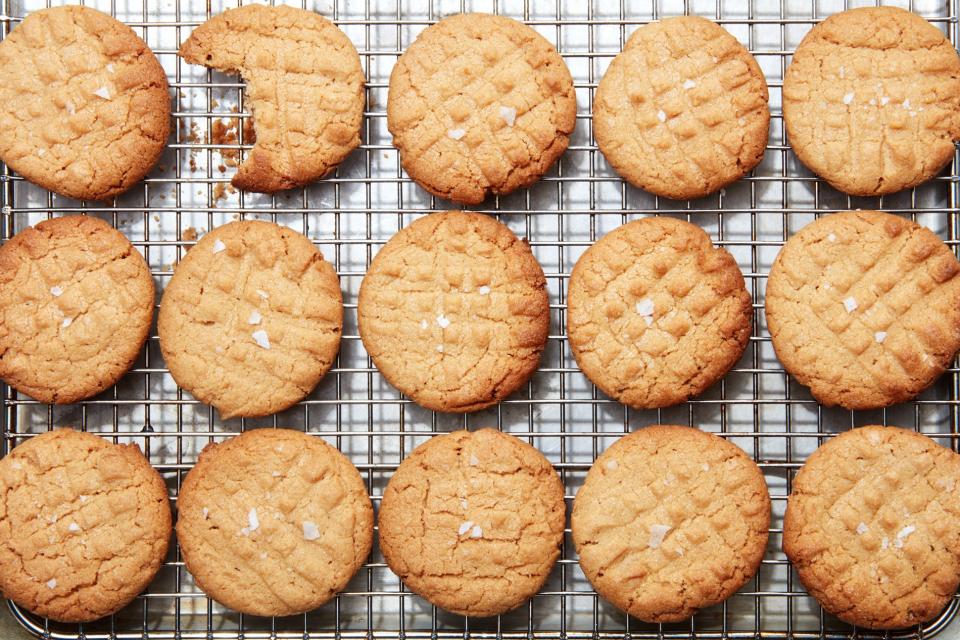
column 484, row 290
column 476, row 532
column 52, row 583
column 218, row 246
column 880, row 336
column 103, row 92
column 861, row 528
column 657, row 534
column 689, row 84
column 509, row 115
column 661, row 116
column 443, row 321
column 260, row 337
column 255, row 317
column 56, row 292
column 464, row 527
column 456, row 134
column 310, row 530
column 850, row 304
column 847, row 99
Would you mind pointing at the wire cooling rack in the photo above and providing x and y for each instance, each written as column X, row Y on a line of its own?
column 351, row 214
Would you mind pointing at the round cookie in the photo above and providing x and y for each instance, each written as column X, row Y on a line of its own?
column 304, row 131
column 273, row 522
column 871, row 101
column 682, row 110
column 473, row 521
column 480, row 104
column 454, row 311
column 864, row 308
column 873, row 527
column 76, row 303
column 670, row 520
column 656, row 313
column 84, row 525
column 84, row 103
column 251, row 319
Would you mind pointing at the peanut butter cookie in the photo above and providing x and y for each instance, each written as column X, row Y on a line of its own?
column 671, row 520
column 864, row 308
column 871, row 100
column 473, row 521
column 305, row 88
column 873, row 527
column 480, row 104
column 84, row 103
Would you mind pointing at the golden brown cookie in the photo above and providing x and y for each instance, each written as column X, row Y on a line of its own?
column 273, row 522
column 454, row 311
column 656, row 313
column 84, row 103
column 871, row 100
column 473, row 521
column 864, row 308
column 682, row 111
column 84, row 525
column 480, row 104
column 304, row 87
column 671, row 520
column 873, row 527
column 251, row 319
column 76, row 303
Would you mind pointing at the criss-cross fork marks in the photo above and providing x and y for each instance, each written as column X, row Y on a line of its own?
column 480, row 104
column 687, row 98
column 868, row 317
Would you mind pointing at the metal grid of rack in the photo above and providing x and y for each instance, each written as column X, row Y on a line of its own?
column 352, row 213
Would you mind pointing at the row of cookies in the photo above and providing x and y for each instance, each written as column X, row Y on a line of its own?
column 670, row 520
column 482, row 104
column 863, row 307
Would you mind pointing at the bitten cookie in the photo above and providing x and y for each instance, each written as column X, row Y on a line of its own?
column 864, row 308
column 84, row 525
column 873, row 527
column 473, row 521
column 273, row 522
column 871, row 100
column 656, row 313
column 480, row 104
column 251, row 319
column 454, row 311
column 305, row 88
column 682, row 111
column 84, row 104
column 76, row 303
column 671, row 520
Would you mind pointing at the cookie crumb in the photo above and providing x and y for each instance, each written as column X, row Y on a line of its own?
column 484, row 290
column 443, row 321
column 657, row 534
column 464, row 527
column 850, row 304
column 861, row 528
column 661, row 116
column 52, row 583
column 103, row 92
column 255, row 317
column 260, row 337
column 476, row 532
column 218, row 246
column 56, row 292
column 456, row 134
column 847, row 99
column 310, row 530
column 880, row 336
column 509, row 115
column 689, row 84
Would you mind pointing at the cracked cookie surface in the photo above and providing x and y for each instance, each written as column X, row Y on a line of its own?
column 251, row 319
column 656, row 313
column 863, row 307
column 480, row 104
column 454, row 311
column 473, row 521
column 273, row 522
column 670, row 520
column 871, row 101
column 873, row 527
column 84, row 103
column 305, row 87
column 682, row 111
column 76, row 303
column 84, row 525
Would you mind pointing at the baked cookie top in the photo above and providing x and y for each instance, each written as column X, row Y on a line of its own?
column 305, row 87
column 670, row 520
column 873, row 527
column 273, row 522
column 84, row 525
column 251, row 319
column 76, row 303
column 863, row 307
column 84, row 104
column 871, row 100
column 454, row 311
column 682, row 111
column 473, row 521
column 480, row 104
column 656, row 313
